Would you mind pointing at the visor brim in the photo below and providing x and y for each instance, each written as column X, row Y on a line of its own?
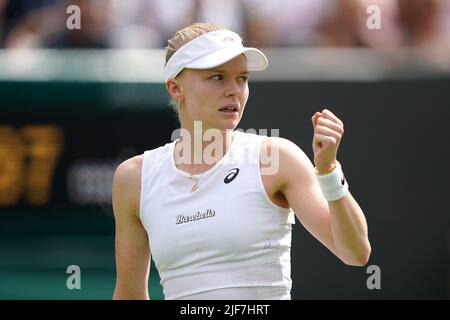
column 256, row 60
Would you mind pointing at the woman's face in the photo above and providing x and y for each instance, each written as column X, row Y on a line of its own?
column 215, row 96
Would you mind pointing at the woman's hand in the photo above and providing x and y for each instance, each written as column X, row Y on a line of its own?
column 328, row 132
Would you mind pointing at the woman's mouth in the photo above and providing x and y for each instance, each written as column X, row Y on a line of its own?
column 230, row 109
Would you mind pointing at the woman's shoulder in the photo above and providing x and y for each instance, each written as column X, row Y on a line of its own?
column 130, row 170
column 269, row 144
column 127, row 185
column 279, row 144
column 283, row 152
column 160, row 151
column 128, row 173
column 132, row 164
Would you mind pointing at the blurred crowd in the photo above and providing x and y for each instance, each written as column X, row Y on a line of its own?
column 263, row 23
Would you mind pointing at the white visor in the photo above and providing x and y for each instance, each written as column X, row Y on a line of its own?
column 213, row 49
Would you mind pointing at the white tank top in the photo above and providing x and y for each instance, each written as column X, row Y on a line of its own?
column 227, row 239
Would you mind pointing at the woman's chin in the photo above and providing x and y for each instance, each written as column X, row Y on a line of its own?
column 224, row 124
column 229, row 125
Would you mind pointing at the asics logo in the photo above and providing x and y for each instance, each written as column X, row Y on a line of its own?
column 231, row 176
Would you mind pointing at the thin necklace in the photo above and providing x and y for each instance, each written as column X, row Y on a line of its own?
column 194, row 180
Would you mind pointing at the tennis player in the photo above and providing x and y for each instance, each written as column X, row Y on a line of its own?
column 218, row 222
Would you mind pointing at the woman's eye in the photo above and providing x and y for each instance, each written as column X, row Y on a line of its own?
column 217, row 77
column 244, row 78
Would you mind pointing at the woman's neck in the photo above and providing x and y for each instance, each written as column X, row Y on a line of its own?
column 196, row 151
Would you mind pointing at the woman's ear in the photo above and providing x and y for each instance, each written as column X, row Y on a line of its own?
column 174, row 89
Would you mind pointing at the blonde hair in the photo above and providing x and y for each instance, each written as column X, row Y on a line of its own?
column 182, row 37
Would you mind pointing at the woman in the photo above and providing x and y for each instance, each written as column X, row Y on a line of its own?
column 218, row 222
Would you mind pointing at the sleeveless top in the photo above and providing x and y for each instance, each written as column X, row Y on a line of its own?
column 224, row 240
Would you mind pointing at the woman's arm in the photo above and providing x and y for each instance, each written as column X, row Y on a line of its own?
column 340, row 225
column 132, row 248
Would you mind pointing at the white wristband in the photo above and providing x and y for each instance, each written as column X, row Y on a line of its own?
column 333, row 185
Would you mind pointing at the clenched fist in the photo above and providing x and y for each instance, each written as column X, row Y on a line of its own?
column 328, row 131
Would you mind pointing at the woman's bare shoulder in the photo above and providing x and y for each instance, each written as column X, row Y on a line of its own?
column 127, row 182
column 130, row 169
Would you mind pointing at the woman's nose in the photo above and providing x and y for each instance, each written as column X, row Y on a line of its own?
column 233, row 88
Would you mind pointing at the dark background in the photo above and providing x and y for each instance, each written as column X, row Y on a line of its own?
column 395, row 154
